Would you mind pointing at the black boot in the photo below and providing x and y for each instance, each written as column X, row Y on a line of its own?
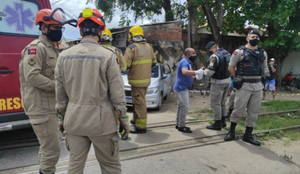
column 229, row 113
column 136, row 130
column 231, row 134
column 215, row 126
column 249, row 138
column 132, row 122
column 223, row 122
column 176, row 127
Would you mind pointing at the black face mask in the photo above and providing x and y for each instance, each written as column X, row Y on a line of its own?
column 53, row 35
column 254, row 42
column 192, row 58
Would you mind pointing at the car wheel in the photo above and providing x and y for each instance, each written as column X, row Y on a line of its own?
column 159, row 102
column 166, row 97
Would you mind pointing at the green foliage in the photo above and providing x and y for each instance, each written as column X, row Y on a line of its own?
column 281, row 20
column 180, row 11
column 140, row 9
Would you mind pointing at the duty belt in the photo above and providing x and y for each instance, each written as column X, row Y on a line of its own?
column 251, row 80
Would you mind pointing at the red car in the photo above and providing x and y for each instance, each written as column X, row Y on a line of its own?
column 17, row 29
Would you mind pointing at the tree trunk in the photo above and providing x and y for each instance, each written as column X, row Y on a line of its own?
column 214, row 25
column 169, row 14
column 193, row 30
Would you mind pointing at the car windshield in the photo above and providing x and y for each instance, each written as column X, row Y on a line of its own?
column 154, row 72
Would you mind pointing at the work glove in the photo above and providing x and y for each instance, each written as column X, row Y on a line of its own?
column 199, row 74
column 124, row 122
column 61, row 123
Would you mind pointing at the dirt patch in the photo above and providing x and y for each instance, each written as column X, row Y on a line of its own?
column 286, row 148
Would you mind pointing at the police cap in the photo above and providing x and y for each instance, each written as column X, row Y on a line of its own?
column 210, row 44
column 255, row 32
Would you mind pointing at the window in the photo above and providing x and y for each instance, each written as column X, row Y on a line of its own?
column 17, row 17
column 154, row 72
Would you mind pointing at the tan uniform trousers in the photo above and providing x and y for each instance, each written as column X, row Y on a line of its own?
column 106, row 151
column 246, row 99
column 218, row 97
column 48, row 134
column 139, row 106
column 231, row 99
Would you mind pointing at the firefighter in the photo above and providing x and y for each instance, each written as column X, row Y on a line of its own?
column 140, row 58
column 106, row 40
column 217, row 69
column 36, row 69
column 89, row 87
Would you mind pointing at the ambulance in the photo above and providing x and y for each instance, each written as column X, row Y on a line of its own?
column 17, row 29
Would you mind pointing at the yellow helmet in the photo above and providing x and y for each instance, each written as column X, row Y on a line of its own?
column 107, row 32
column 106, row 35
column 135, row 31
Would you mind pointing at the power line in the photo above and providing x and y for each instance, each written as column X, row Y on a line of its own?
column 55, row 2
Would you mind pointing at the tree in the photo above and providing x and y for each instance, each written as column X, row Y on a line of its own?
column 140, row 9
column 217, row 13
column 282, row 24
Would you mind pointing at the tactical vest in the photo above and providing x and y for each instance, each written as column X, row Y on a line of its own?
column 222, row 69
column 252, row 64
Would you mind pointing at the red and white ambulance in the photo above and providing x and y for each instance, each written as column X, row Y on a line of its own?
column 17, row 29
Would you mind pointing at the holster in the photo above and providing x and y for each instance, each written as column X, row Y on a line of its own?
column 238, row 83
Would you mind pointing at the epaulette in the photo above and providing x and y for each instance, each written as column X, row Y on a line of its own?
column 131, row 46
column 35, row 42
column 110, row 49
column 118, row 50
column 242, row 47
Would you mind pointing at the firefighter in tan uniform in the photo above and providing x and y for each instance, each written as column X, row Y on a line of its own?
column 36, row 69
column 106, row 40
column 89, row 87
column 140, row 58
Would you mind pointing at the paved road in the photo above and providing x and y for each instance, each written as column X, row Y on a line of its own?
column 232, row 157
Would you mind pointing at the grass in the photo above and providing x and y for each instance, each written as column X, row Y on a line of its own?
column 267, row 122
column 279, row 105
column 287, row 143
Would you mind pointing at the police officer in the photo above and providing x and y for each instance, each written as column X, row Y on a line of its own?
column 217, row 69
column 251, row 63
column 106, row 40
column 89, row 87
column 36, row 69
column 140, row 58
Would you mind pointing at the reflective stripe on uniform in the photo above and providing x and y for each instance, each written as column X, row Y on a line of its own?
column 106, row 45
column 141, row 123
column 123, row 69
column 123, row 118
column 140, row 81
column 142, row 61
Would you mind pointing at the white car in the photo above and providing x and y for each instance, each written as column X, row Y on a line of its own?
column 160, row 87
